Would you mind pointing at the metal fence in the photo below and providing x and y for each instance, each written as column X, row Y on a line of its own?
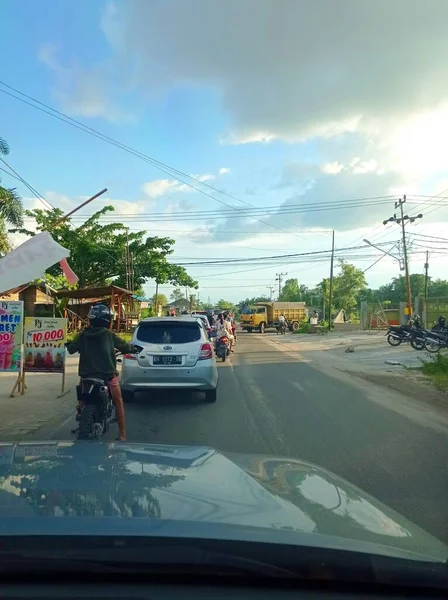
column 431, row 309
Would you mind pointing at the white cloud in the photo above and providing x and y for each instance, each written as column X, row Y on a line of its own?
column 161, row 187
column 332, row 168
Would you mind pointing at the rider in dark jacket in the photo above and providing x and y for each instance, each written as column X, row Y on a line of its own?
column 96, row 346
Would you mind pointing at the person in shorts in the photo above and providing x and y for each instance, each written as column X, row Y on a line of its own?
column 96, row 346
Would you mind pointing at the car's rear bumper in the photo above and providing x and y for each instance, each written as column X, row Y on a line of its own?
column 136, row 378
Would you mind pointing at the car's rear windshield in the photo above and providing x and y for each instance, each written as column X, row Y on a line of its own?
column 169, row 333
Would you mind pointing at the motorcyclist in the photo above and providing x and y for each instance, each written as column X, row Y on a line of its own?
column 224, row 328
column 281, row 322
column 96, row 346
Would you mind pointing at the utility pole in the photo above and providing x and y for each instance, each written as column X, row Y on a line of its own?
column 403, row 220
column 280, row 279
column 426, row 273
column 331, row 282
column 271, row 289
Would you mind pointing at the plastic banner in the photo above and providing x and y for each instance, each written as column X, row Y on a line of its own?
column 44, row 340
column 30, row 260
column 11, row 331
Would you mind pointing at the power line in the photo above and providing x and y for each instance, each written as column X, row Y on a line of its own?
column 27, row 185
column 154, row 162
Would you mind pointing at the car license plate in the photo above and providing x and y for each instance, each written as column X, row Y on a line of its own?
column 167, row 360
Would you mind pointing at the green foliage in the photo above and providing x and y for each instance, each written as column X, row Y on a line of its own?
column 160, row 299
column 97, row 252
column 293, row 292
column 11, row 207
column 348, row 285
column 304, row 328
column 437, row 369
column 146, row 312
column 224, row 304
column 177, row 294
column 251, row 301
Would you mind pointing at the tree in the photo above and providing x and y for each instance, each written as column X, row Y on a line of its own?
column 159, row 300
column 251, row 301
column 290, row 291
column 224, row 305
column 97, row 252
column 177, row 294
column 11, row 207
column 347, row 287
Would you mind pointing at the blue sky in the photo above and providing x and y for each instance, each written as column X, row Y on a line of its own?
column 260, row 104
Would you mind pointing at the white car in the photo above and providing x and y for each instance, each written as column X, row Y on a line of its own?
column 174, row 353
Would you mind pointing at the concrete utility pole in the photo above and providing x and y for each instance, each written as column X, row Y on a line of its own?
column 271, row 289
column 403, row 220
column 280, row 279
column 426, row 273
column 331, row 282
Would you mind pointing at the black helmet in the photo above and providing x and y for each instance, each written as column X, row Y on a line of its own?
column 441, row 320
column 100, row 315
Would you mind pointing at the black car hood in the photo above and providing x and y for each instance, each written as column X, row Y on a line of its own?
column 134, row 487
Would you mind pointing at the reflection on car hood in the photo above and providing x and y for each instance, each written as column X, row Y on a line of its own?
column 182, row 484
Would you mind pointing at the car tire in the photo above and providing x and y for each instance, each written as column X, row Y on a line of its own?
column 128, row 396
column 210, row 395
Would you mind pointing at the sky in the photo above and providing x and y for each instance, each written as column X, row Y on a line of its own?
column 280, row 117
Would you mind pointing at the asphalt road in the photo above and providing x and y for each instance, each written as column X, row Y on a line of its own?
column 272, row 402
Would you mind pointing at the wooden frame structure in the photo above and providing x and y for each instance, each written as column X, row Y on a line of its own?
column 112, row 295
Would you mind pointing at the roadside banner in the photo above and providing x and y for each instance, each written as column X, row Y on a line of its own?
column 11, row 332
column 30, row 260
column 44, row 341
column 44, row 347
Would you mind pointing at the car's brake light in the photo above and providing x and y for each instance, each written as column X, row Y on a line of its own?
column 130, row 356
column 206, row 352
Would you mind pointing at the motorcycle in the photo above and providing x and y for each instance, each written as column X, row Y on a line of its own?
column 282, row 328
column 97, row 409
column 412, row 333
column 436, row 340
column 222, row 348
column 396, row 334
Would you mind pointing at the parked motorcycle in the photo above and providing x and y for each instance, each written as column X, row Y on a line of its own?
column 436, row 340
column 222, row 348
column 412, row 333
column 397, row 334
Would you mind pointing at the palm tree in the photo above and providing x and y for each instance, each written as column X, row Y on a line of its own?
column 11, row 206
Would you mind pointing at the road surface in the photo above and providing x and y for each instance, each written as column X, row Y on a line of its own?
column 274, row 402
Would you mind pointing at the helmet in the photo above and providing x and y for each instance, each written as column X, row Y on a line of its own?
column 441, row 321
column 100, row 315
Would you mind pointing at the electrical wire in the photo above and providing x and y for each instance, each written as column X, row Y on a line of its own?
column 172, row 172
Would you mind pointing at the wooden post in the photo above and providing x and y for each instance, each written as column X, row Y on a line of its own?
column 63, row 390
column 119, row 312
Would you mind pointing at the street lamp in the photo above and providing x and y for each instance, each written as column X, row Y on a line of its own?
column 400, row 262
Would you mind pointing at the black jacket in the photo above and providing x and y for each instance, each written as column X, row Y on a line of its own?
column 96, row 347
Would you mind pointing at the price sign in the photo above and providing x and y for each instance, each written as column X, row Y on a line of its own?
column 45, row 345
column 11, row 323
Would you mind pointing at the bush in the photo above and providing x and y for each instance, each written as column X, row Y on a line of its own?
column 437, row 368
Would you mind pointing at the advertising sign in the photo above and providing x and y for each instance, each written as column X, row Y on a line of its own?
column 44, row 340
column 11, row 330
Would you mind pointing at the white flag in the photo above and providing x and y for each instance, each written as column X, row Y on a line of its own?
column 30, row 260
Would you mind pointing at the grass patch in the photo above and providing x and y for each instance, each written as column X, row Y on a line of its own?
column 436, row 368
